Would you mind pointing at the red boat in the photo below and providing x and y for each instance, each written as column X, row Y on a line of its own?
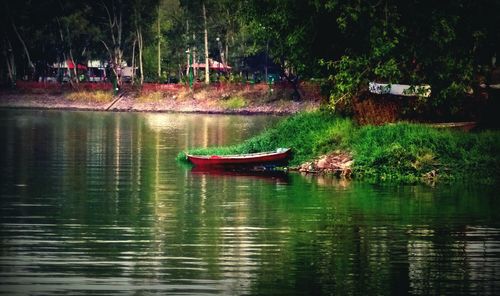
column 278, row 157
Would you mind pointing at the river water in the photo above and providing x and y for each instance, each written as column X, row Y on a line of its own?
column 95, row 204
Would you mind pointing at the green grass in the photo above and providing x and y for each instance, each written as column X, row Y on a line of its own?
column 404, row 152
column 308, row 134
column 395, row 152
column 235, row 102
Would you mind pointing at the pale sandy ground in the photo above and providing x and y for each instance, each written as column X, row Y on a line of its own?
column 195, row 105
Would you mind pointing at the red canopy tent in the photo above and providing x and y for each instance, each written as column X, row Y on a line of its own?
column 71, row 65
column 214, row 65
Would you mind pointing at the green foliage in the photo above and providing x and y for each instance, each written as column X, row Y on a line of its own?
column 284, row 30
column 443, row 44
column 436, row 43
column 405, row 152
column 308, row 134
column 150, row 63
column 348, row 77
column 400, row 152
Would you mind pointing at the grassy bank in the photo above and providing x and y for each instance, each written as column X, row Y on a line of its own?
column 409, row 152
column 395, row 152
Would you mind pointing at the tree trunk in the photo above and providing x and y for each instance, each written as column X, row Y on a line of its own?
column 195, row 69
column 118, row 45
column 179, row 60
column 75, row 67
column 21, row 40
column 266, row 75
column 9, row 68
column 180, row 71
column 226, row 52
column 133, row 60
column 65, row 56
column 115, row 52
column 207, row 66
column 229, row 32
column 294, row 81
column 159, row 44
column 10, row 62
column 187, row 62
column 140, row 46
column 68, row 56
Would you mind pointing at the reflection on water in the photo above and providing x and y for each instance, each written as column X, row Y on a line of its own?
column 273, row 176
column 94, row 203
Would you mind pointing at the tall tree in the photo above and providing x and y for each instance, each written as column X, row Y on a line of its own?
column 8, row 54
column 285, row 30
column 76, row 34
column 158, row 22
column 112, row 26
column 442, row 43
column 205, row 34
column 168, row 16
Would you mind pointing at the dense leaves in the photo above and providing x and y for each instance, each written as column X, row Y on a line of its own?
column 446, row 44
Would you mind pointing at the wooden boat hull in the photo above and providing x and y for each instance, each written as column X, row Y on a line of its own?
column 463, row 126
column 279, row 157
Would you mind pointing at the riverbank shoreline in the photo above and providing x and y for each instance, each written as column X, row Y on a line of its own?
column 243, row 100
column 55, row 102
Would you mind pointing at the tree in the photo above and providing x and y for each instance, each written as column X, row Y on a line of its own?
column 76, row 34
column 8, row 54
column 112, row 27
column 205, row 34
column 286, row 31
column 167, row 17
column 436, row 42
column 138, row 37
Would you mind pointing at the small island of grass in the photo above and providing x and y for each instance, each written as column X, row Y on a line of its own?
column 400, row 152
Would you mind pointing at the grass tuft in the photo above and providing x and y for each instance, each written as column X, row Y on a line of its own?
column 97, row 96
column 235, row 102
